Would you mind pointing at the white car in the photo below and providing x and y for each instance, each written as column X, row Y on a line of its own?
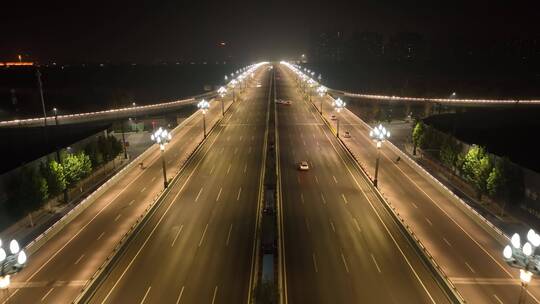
column 259, row 85
column 303, row 166
column 283, row 101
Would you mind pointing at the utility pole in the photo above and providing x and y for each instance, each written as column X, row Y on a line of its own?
column 38, row 74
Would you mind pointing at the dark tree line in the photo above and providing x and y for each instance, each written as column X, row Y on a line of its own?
column 489, row 175
column 29, row 188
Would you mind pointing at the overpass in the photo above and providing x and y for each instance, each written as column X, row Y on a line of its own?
column 126, row 112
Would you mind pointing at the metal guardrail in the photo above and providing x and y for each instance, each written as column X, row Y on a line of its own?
column 105, row 114
column 93, row 283
column 457, row 101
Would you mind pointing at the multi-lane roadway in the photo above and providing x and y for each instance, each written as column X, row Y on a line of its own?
column 199, row 245
column 340, row 244
column 62, row 266
column 469, row 252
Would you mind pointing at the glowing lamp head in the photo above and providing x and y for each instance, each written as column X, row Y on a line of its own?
column 527, row 249
column 507, row 252
column 3, row 255
column 14, row 247
column 515, row 240
column 21, row 258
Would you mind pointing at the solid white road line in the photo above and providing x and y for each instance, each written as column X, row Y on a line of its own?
column 497, row 298
column 202, row 237
column 177, row 234
column 239, row 192
column 219, row 194
column 180, row 295
column 198, row 194
column 375, row 262
column 344, row 262
column 228, row 235
column 47, row 294
column 215, row 293
column 146, row 294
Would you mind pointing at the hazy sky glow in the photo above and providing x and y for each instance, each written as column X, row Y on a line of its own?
column 170, row 30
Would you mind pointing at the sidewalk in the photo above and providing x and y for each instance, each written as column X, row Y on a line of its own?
column 54, row 209
column 509, row 220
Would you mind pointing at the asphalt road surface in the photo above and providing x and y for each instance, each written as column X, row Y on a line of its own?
column 469, row 254
column 198, row 246
column 59, row 269
column 340, row 244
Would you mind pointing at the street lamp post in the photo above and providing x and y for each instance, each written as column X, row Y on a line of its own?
column 222, row 91
column 11, row 262
column 162, row 137
column 233, row 85
column 322, row 92
column 38, row 75
column 378, row 134
column 203, row 105
column 523, row 258
column 338, row 105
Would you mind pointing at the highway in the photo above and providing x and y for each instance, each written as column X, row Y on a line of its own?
column 199, row 244
column 469, row 253
column 340, row 244
column 58, row 270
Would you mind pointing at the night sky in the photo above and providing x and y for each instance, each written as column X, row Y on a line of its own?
column 149, row 31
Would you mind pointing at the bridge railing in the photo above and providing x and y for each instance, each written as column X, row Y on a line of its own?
column 105, row 114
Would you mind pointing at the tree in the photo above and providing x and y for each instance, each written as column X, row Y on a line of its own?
column 53, row 172
column 86, row 164
column 93, row 152
column 28, row 190
column 418, row 135
column 505, row 181
column 449, row 153
column 476, row 168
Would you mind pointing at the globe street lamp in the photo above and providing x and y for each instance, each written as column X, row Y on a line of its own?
column 203, row 105
column 226, row 78
column 523, row 258
column 338, row 105
column 322, row 92
column 162, row 138
column 222, row 91
column 11, row 262
column 378, row 134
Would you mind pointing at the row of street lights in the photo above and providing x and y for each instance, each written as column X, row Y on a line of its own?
column 11, row 262
column 378, row 134
column 516, row 255
column 162, row 136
